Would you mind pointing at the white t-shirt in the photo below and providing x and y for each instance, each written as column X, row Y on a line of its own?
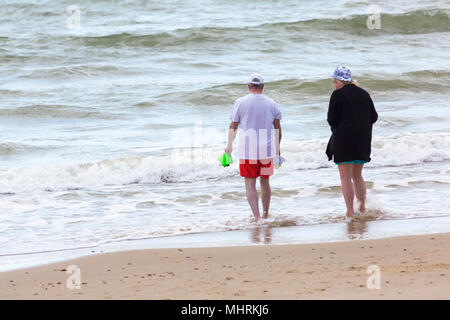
column 255, row 114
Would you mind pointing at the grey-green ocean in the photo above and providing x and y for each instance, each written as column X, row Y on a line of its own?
column 113, row 114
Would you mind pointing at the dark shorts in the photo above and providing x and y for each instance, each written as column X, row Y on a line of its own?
column 362, row 162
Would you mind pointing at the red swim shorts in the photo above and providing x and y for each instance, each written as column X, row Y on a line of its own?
column 256, row 168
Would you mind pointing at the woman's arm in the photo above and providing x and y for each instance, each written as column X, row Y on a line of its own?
column 373, row 112
column 333, row 111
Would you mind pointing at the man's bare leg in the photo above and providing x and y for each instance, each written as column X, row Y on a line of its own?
column 346, row 171
column 265, row 196
column 252, row 197
column 359, row 186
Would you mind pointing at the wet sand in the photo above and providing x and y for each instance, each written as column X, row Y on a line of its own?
column 411, row 267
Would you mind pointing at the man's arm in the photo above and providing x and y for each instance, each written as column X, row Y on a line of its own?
column 231, row 136
column 277, row 126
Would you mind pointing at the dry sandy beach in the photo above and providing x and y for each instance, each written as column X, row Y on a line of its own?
column 412, row 267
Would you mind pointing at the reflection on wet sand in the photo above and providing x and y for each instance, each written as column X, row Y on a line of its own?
column 356, row 229
column 262, row 234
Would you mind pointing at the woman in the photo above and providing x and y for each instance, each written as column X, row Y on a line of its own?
column 351, row 114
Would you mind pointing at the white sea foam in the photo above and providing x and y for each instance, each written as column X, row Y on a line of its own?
column 201, row 165
column 395, row 150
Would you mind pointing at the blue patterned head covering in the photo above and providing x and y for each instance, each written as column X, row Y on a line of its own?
column 343, row 74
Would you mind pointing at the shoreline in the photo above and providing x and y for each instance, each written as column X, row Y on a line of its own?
column 265, row 234
column 411, row 267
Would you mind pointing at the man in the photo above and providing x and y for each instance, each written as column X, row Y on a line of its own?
column 258, row 119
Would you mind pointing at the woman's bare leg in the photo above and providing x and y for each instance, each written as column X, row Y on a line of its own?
column 265, row 196
column 345, row 172
column 360, row 186
column 252, row 197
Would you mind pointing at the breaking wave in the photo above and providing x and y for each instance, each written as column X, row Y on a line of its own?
column 201, row 164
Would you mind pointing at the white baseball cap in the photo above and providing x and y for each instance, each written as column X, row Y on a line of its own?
column 256, row 79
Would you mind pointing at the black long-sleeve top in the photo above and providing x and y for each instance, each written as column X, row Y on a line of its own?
column 351, row 114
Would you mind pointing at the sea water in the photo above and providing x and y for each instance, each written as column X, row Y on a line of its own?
column 113, row 114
